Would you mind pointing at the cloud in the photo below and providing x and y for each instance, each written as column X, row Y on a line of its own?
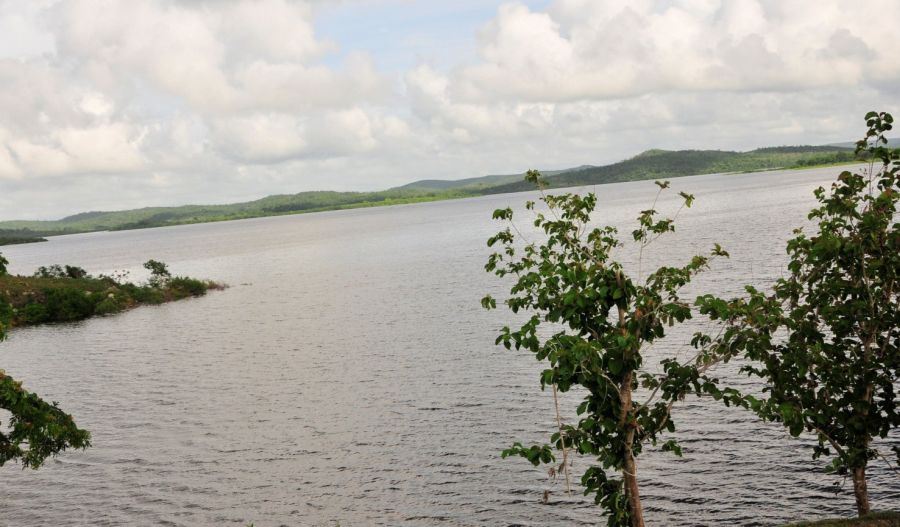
column 605, row 50
column 174, row 101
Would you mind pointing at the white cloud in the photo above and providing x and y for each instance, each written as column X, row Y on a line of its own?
column 261, row 138
column 173, row 101
column 604, row 50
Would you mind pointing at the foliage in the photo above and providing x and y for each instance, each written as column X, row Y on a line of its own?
column 16, row 240
column 17, row 236
column 826, row 340
column 592, row 323
column 188, row 286
column 35, row 429
column 59, row 271
column 67, row 293
column 159, row 273
column 3, row 263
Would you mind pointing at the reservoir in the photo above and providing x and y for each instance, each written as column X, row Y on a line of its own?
column 348, row 376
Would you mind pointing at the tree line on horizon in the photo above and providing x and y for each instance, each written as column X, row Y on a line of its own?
column 652, row 164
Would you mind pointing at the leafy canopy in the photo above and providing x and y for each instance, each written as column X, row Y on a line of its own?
column 826, row 339
column 591, row 322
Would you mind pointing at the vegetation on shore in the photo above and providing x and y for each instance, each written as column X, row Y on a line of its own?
column 14, row 239
column 67, row 293
column 652, row 164
column 35, row 429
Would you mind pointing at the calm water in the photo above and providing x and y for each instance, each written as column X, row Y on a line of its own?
column 348, row 376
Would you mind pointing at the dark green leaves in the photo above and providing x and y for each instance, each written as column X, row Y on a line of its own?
column 535, row 454
column 825, row 340
column 36, row 430
column 503, row 214
column 604, row 319
column 488, row 302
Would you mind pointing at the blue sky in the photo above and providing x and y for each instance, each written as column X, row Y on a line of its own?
column 400, row 34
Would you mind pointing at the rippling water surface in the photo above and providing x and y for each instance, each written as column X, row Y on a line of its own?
column 348, row 377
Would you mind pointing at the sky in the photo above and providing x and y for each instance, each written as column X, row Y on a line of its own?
column 108, row 105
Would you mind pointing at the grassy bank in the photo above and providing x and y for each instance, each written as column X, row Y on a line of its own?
column 58, row 294
column 876, row 519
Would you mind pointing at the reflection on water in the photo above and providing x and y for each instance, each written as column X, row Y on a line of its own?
column 349, row 376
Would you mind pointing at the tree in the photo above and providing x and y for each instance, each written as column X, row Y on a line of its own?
column 159, row 272
column 36, row 429
column 602, row 321
column 3, row 263
column 826, row 340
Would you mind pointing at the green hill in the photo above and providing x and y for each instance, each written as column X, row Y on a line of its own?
column 656, row 164
column 652, row 164
column 477, row 183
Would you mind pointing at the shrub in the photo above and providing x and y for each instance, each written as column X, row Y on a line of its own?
column 188, row 286
column 34, row 314
column 52, row 271
column 107, row 306
column 67, row 303
column 73, row 271
column 159, row 273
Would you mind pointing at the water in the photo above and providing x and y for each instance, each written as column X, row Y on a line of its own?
column 348, row 376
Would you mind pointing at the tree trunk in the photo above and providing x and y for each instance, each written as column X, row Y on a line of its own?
column 631, row 485
column 861, row 491
column 629, row 469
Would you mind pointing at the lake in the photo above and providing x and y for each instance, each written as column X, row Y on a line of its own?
column 348, row 377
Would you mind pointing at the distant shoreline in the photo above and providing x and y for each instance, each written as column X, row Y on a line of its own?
column 16, row 232
column 17, row 240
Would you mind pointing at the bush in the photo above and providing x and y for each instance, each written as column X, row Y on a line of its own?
column 67, row 303
column 107, row 306
column 73, row 271
column 34, row 314
column 6, row 312
column 188, row 286
column 145, row 295
column 59, row 271
column 52, row 271
column 159, row 273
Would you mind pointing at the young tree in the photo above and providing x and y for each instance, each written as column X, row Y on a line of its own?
column 159, row 272
column 826, row 340
column 602, row 321
column 36, row 429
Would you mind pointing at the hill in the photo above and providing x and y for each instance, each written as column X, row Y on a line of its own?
column 477, row 183
column 652, row 164
column 656, row 164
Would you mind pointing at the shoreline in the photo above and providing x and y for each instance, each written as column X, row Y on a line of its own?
column 451, row 195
